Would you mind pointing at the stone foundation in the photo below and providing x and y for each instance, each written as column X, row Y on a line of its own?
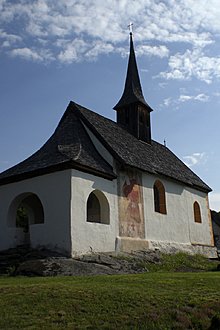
column 128, row 244
column 167, row 247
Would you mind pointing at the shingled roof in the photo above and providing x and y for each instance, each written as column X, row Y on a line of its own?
column 71, row 147
column 153, row 158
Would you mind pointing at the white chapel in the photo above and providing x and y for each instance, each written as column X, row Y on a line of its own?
column 100, row 186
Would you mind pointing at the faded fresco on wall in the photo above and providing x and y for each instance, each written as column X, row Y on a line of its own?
column 131, row 218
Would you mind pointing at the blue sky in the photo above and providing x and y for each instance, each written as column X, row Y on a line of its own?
column 52, row 52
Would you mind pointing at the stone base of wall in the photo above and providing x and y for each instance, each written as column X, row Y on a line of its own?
column 129, row 244
column 167, row 247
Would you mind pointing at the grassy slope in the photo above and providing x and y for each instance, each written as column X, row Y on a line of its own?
column 144, row 301
column 182, row 262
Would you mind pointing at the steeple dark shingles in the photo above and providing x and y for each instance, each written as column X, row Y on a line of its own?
column 132, row 90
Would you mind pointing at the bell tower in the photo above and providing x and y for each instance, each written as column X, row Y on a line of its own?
column 133, row 112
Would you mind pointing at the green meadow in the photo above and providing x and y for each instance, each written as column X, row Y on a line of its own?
column 153, row 300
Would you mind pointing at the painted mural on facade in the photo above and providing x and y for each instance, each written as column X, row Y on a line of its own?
column 131, row 218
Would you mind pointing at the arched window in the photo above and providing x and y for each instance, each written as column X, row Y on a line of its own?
column 159, row 197
column 26, row 209
column 197, row 212
column 30, row 208
column 97, row 208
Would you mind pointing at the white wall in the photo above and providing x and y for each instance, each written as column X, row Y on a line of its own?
column 87, row 236
column 64, row 198
column 178, row 224
column 53, row 190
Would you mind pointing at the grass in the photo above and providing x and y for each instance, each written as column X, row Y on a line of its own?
column 179, row 262
column 154, row 300
column 182, row 262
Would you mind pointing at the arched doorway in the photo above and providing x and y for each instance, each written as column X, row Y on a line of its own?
column 25, row 210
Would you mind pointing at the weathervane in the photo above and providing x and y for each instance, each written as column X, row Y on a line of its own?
column 130, row 27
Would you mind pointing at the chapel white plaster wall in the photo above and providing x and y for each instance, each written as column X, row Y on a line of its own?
column 53, row 190
column 90, row 237
column 178, row 224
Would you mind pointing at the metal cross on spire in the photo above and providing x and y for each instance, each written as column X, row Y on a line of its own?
column 130, row 27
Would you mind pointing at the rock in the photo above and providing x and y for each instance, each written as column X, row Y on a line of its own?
column 32, row 262
column 31, row 268
column 148, row 256
column 61, row 266
column 92, row 264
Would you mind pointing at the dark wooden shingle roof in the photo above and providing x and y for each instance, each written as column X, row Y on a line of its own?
column 71, row 147
column 153, row 158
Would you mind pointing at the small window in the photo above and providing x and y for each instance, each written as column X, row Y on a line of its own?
column 197, row 212
column 97, row 208
column 159, row 198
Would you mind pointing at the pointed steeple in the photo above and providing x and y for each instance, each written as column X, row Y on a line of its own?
column 133, row 112
column 132, row 91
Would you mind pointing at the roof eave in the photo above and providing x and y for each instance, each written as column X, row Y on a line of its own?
column 56, row 168
column 190, row 185
column 121, row 105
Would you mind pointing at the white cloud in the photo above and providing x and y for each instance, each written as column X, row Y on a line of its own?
column 214, row 201
column 99, row 48
column 184, row 98
column 26, row 53
column 78, row 49
column 194, row 159
column 160, row 51
column 200, row 97
column 102, row 24
column 217, row 94
column 162, row 84
column 167, row 101
column 193, row 64
column 205, row 14
column 72, row 50
column 9, row 40
column 29, row 54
